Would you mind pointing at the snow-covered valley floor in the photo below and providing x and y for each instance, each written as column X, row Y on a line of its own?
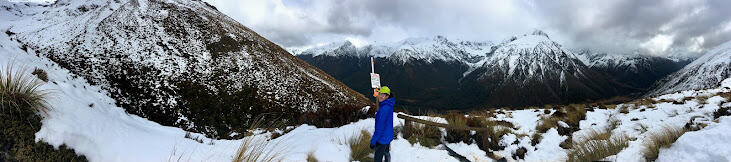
column 85, row 119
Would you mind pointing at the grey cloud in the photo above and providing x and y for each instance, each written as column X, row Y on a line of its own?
column 636, row 22
column 613, row 26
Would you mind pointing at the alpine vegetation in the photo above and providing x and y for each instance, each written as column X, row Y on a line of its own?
column 19, row 90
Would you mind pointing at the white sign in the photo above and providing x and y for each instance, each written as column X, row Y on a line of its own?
column 375, row 81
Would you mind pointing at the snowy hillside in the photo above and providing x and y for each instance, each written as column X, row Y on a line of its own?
column 705, row 72
column 636, row 70
column 177, row 62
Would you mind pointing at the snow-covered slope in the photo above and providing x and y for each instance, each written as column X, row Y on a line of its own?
column 426, row 49
column 705, row 72
column 636, row 70
column 176, row 62
column 532, row 69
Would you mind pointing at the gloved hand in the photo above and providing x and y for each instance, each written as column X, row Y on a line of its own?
column 372, row 146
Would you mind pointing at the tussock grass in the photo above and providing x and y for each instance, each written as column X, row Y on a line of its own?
column 360, row 146
column 726, row 95
column 598, row 147
column 453, row 135
column 546, row 123
column 536, row 138
column 490, row 140
column 311, row 157
column 598, row 144
column 663, row 139
column 702, row 100
column 258, row 149
column 427, row 136
column 20, row 104
column 18, row 90
column 571, row 115
column 624, row 109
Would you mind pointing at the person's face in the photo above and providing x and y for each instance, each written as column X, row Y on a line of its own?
column 381, row 97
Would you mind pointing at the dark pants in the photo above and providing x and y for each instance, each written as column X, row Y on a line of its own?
column 382, row 153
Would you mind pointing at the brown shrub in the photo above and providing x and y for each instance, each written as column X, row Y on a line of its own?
column 455, row 135
column 334, row 117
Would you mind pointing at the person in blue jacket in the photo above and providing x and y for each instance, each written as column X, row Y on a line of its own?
column 383, row 135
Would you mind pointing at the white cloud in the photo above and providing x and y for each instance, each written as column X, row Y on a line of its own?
column 658, row 44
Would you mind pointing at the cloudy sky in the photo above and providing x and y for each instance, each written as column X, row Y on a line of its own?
column 662, row 27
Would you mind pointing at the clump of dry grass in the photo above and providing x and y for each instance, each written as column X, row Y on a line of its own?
column 546, row 123
column 536, row 138
column 257, row 149
column 490, row 140
column 647, row 102
column 598, row 144
column 702, row 100
column 663, row 139
column 427, row 136
column 571, row 115
column 726, row 95
column 624, row 108
column 360, row 146
column 455, row 135
column 18, row 90
column 597, row 147
column 311, row 157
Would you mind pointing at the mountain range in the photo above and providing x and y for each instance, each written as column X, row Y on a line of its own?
column 524, row 70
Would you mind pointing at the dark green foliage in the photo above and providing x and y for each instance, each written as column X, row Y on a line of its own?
column 334, row 117
column 721, row 112
column 220, row 114
column 20, row 120
column 17, row 139
column 226, row 44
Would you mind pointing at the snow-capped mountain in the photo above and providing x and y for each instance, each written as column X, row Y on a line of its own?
column 636, row 70
column 532, row 70
column 175, row 62
column 705, row 72
column 424, row 72
column 426, row 49
column 439, row 72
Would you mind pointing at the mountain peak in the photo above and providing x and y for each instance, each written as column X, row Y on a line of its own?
column 539, row 33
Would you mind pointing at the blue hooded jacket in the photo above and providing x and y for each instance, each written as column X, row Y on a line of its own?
column 384, row 123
